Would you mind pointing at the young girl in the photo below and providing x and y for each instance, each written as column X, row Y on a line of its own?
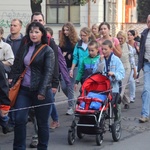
column 67, row 42
column 81, row 48
column 104, row 29
column 129, row 65
column 86, row 68
column 135, row 48
column 95, row 31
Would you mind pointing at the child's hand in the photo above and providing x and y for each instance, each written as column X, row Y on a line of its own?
column 110, row 74
column 64, row 54
column 3, row 113
column 71, row 73
column 75, row 87
column 54, row 90
column 40, row 97
column 69, row 56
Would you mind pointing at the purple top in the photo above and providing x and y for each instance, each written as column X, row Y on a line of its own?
column 27, row 77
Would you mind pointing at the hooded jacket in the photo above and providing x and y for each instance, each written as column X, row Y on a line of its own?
column 15, row 44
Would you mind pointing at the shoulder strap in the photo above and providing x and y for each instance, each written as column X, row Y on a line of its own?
column 135, row 44
column 37, row 53
column 22, row 75
column 108, row 63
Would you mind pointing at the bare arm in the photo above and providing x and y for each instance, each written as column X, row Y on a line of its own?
column 117, row 50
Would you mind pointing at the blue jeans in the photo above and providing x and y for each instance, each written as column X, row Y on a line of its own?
column 69, row 90
column 132, row 85
column 146, row 91
column 25, row 99
column 53, row 112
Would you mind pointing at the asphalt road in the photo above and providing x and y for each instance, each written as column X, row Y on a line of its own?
column 135, row 136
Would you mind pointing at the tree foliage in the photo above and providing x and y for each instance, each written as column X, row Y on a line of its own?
column 83, row 2
column 143, row 10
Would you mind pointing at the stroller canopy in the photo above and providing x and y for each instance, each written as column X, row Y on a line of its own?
column 96, row 83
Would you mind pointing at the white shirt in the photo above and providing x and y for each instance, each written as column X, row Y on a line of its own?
column 84, row 45
column 6, row 53
column 147, row 47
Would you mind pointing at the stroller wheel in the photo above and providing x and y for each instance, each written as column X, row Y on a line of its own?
column 71, row 136
column 79, row 134
column 99, row 139
column 116, row 131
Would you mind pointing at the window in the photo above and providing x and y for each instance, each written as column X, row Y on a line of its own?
column 61, row 11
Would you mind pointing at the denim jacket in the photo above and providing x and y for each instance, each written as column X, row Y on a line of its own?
column 116, row 67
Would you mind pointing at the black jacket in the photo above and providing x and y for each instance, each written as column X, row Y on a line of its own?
column 42, row 68
column 4, row 88
column 142, row 49
column 55, row 80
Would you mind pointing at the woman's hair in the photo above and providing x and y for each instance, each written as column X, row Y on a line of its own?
column 132, row 32
column 94, row 25
column 108, row 42
column 88, row 32
column 104, row 23
column 98, row 34
column 94, row 42
column 73, row 37
column 122, row 33
column 41, row 28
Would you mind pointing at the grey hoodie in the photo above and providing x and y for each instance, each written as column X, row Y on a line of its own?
column 15, row 44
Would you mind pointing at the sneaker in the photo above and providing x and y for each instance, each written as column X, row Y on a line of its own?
column 132, row 100
column 69, row 111
column 34, row 142
column 143, row 119
column 54, row 124
column 137, row 81
column 126, row 106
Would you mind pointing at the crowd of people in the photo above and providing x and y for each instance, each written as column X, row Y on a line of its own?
column 66, row 64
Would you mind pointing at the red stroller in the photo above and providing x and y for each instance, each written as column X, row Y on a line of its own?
column 95, row 105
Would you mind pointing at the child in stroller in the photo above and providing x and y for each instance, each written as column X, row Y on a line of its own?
column 91, row 119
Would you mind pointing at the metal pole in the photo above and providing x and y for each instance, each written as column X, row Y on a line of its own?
column 104, row 17
column 89, row 13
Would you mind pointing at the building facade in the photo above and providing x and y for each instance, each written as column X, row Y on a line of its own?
column 57, row 12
